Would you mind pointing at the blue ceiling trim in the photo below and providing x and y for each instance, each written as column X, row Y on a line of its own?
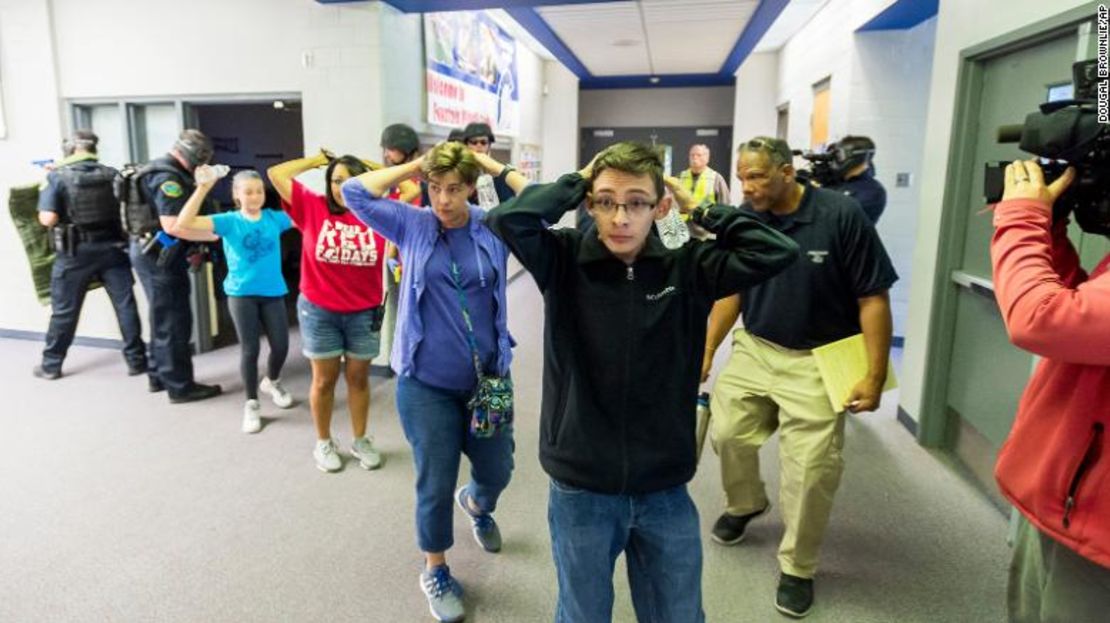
column 664, row 81
column 531, row 21
column 902, row 15
column 765, row 14
column 435, row 6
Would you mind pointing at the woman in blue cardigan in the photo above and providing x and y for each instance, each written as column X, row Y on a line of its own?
column 453, row 262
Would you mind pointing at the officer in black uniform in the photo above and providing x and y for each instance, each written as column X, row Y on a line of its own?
column 163, row 269
column 857, row 175
column 80, row 206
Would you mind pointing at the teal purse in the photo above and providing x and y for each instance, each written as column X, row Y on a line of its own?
column 491, row 405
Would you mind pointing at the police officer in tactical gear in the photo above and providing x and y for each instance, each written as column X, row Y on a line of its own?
column 79, row 204
column 399, row 144
column 479, row 138
column 857, row 175
column 164, row 271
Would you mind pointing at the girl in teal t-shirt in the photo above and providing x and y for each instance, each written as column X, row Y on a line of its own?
column 254, row 285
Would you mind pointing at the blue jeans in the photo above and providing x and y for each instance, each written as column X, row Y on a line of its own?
column 660, row 537
column 436, row 424
column 328, row 335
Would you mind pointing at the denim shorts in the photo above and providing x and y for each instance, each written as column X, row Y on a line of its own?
column 327, row 335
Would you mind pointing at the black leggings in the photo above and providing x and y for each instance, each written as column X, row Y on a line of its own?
column 252, row 315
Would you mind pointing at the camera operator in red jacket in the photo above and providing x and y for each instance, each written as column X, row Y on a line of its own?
column 1055, row 466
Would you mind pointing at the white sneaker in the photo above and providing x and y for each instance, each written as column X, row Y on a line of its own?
column 327, row 456
column 252, row 418
column 277, row 391
column 363, row 450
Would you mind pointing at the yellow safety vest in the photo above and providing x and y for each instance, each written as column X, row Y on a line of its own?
column 705, row 187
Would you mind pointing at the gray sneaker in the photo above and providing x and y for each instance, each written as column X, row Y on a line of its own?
column 327, row 456
column 363, row 450
column 444, row 594
column 486, row 532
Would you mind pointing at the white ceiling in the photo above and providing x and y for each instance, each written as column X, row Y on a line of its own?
column 651, row 36
column 796, row 14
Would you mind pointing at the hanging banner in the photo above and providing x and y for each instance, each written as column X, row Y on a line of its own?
column 471, row 72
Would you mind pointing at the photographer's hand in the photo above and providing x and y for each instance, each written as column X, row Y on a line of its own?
column 1025, row 180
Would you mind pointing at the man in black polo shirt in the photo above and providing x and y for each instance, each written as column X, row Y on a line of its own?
column 837, row 288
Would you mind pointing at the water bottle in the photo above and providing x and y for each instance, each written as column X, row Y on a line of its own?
column 487, row 193
column 702, row 420
column 672, row 230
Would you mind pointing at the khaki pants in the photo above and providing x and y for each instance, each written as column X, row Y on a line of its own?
column 1049, row 583
column 765, row 388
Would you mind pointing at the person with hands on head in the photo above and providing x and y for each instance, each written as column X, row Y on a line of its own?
column 164, row 274
column 491, row 189
column 340, row 304
column 622, row 312
column 1055, row 466
column 837, row 288
column 452, row 321
column 254, row 284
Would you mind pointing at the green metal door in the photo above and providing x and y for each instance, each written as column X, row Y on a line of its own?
column 986, row 373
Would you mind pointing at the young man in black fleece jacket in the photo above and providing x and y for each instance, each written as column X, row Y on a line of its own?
column 626, row 322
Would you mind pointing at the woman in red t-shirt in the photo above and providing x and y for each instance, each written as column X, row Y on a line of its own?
column 340, row 306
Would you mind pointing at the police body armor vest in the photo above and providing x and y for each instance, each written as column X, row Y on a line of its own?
column 90, row 196
column 136, row 211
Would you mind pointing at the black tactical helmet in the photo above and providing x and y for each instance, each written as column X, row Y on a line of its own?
column 194, row 147
column 456, row 135
column 400, row 137
column 478, row 130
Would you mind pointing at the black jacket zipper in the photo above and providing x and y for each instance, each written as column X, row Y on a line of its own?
column 1089, row 456
column 631, row 276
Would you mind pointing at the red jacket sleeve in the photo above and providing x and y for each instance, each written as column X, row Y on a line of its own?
column 1048, row 305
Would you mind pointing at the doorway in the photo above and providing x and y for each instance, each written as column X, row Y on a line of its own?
column 245, row 136
column 975, row 376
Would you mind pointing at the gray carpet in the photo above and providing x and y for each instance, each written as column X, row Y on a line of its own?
column 116, row 506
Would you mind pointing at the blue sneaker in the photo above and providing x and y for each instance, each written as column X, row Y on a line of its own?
column 486, row 532
column 444, row 594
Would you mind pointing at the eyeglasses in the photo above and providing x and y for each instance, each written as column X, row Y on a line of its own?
column 634, row 207
column 478, row 141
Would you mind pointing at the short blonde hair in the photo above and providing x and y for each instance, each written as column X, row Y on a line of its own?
column 447, row 157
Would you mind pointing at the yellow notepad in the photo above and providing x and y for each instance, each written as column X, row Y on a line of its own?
column 842, row 364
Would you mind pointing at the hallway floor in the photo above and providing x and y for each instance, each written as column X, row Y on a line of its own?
column 117, row 506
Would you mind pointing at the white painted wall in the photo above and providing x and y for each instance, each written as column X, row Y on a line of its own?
column 357, row 67
column 34, row 133
column 678, row 107
column 756, row 112
column 560, row 114
column 879, row 85
column 560, row 129
column 960, row 25
column 888, row 96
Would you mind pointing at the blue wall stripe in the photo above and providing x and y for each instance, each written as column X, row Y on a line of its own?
column 523, row 12
column 665, row 81
column 435, row 6
column 902, row 15
column 531, row 21
column 765, row 14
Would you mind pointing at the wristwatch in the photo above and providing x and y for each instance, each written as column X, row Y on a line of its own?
column 506, row 170
column 699, row 212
